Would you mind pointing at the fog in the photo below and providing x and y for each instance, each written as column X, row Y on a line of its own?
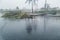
column 11, row 4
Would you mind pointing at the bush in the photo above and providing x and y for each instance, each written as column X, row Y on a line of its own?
column 16, row 15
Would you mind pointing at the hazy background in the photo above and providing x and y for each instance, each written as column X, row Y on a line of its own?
column 7, row 4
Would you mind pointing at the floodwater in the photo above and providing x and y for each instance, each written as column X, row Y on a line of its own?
column 39, row 28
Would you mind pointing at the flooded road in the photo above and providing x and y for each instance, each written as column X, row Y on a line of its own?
column 40, row 28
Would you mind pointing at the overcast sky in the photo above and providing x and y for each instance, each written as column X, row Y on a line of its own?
column 21, row 3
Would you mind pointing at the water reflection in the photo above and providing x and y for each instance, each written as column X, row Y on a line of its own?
column 44, row 23
column 29, row 29
column 34, row 24
column 41, row 28
column 28, row 26
column 31, row 25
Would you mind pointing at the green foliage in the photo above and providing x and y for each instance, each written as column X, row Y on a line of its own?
column 17, row 15
column 24, row 15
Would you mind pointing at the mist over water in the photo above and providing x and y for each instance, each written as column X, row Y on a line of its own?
column 30, row 29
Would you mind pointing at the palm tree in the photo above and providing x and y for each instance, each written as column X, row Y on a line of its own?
column 32, row 2
column 17, row 8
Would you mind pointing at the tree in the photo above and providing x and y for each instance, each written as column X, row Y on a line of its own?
column 32, row 2
column 17, row 8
